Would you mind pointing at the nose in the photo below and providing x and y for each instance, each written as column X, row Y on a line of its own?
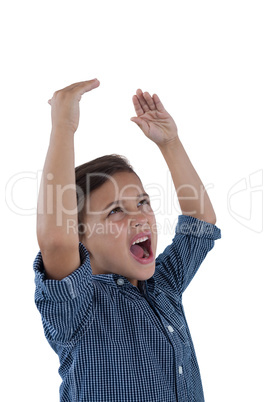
column 139, row 220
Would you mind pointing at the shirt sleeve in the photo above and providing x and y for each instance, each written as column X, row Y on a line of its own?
column 179, row 262
column 64, row 305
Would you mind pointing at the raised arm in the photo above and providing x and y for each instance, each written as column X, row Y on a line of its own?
column 159, row 126
column 57, row 201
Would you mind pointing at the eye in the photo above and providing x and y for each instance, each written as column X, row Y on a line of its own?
column 144, row 202
column 115, row 211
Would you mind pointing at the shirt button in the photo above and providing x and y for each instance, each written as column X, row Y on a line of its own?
column 120, row 281
column 180, row 369
column 170, row 328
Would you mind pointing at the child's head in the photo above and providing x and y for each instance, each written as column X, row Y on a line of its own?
column 114, row 212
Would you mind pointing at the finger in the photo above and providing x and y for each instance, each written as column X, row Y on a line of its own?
column 158, row 103
column 81, row 87
column 142, row 101
column 143, row 125
column 137, row 105
column 81, row 84
column 85, row 86
column 49, row 101
column 149, row 100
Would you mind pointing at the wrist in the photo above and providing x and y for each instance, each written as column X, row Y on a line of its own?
column 170, row 144
column 62, row 130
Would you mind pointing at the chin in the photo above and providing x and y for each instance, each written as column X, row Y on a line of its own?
column 147, row 273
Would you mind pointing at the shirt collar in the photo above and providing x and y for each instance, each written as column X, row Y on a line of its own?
column 111, row 279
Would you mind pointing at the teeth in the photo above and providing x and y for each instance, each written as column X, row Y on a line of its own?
column 141, row 239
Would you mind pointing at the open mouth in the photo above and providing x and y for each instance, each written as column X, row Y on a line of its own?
column 141, row 250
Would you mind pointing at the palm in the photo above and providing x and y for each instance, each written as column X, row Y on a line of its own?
column 153, row 119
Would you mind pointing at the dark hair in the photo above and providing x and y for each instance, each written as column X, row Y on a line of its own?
column 98, row 170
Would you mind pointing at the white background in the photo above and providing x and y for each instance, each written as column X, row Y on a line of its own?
column 208, row 62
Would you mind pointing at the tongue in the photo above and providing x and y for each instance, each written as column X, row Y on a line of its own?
column 137, row 250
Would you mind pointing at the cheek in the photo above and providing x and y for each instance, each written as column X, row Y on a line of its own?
column 113, row 240
column 115, row 233
column 153, row 225
column 117, row 240
column 152, row 221
column 117, row 217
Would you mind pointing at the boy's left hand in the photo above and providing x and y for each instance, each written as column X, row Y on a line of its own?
column 153, row 119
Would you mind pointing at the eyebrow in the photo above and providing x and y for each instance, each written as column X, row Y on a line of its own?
column 118, row 202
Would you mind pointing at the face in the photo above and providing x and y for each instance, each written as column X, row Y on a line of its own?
column 120, row 229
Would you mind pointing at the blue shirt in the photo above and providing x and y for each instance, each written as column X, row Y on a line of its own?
column 117, row 342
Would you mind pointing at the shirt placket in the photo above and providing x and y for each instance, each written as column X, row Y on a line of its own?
column 178, row 339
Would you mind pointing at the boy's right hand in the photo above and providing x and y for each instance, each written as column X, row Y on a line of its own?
column 65, row 105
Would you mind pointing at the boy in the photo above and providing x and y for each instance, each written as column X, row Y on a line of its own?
column 111, row 310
